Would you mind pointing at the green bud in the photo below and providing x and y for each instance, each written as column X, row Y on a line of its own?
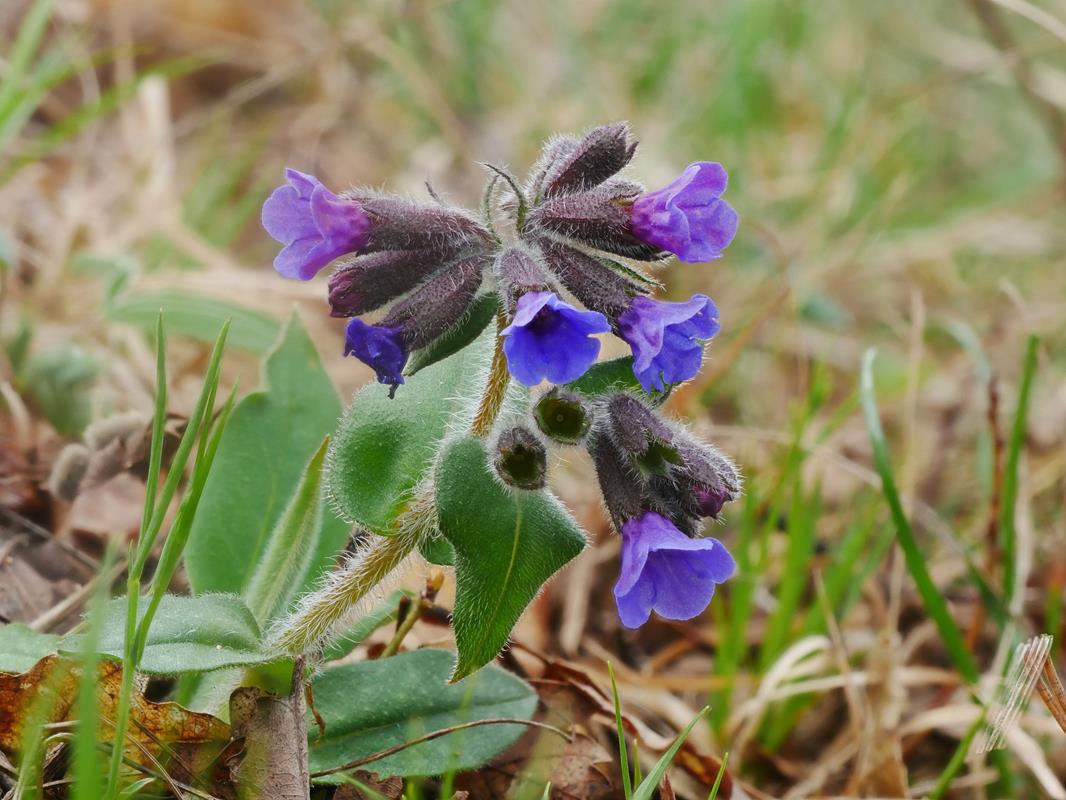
column 562, row 417
column 520, row 458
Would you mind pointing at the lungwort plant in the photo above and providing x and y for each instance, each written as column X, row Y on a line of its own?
column 484, row 337
column 474, row 313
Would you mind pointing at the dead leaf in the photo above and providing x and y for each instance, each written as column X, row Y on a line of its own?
column 153, row 729
column 584, row 771
column 391, row 788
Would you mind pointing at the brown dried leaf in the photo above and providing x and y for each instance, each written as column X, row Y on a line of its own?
column 390, row 788
column 154, row 727
column 584, row 771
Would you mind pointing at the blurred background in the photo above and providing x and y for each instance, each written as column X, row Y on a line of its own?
column 899, row 169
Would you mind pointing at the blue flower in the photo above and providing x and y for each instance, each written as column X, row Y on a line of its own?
column 667, row 338
column 314, row 224
column 382, row 348
column 665, row 571
column 550, row 339
column 688, row 217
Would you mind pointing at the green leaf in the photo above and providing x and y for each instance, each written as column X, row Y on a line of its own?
column 383, row 448
column 387, row 612
column 650, row 785
column 481, row 314
column 374, row 705
column 188, row 634
column 270, row 437
column 287, row 555
column 932, row 597
column 603, row 377
column 436, row 550
column 507, row 544
column 21, row 647
column 58, row 381
column 197, row 316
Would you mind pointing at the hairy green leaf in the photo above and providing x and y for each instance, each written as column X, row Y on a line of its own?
column 507, row 544
column 21, row 647
column 188, row 634
column 384, row 447
column 270, row 437
column 373, row 705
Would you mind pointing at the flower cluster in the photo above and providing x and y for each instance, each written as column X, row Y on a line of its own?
column 565, row 270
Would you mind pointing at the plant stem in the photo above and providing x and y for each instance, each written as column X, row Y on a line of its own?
column 308, row 627
column 496, row 388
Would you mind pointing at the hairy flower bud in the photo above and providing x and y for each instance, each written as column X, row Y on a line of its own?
column 622, row 489
column 562, row 416
column 599, row 218
column 641, row 435
column 371, row 281
column 578, row 165
column 397, row 223
column 518, row 271
column 520, row 458
column 595, row 284
column 421, row 318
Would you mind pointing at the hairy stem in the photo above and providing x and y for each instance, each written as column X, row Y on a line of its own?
column 310, row 625
column 496, row 388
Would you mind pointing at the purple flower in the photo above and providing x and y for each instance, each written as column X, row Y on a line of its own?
column 665, row 571
column 551, row 339
column 314, row 224
column 667, row 338
column 380, row 347
column 689, row 217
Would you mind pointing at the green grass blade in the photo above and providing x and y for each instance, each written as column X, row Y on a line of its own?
column 1007, row 542
column 623, row 754
column 29, row 37
column 159, row 420
column 650, row 784
column 85, row 766
column 930, row 594
column 718, row 778
column 177, row 465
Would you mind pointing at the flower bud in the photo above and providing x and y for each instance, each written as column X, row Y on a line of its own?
column 562, row 416
column 595, row 284
column 371, row 281
column 598, row 218
column 397, row 223
column 641, row 435
column 699, row 487
column 519, row 271
column 520, row 458
column 621, row 487
column 577, row 165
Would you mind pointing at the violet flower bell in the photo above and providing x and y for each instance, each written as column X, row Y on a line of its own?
column 688, row 217
column 665, row 571
column 380, row 347
column 667, row 338
column 315, row 225
column 550, row 339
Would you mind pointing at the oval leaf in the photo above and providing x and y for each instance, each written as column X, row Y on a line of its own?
column 270, row 437
column 21, row 647
column 507, row 544
column 384, row 447
column 370, row 706
column 188, row 634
